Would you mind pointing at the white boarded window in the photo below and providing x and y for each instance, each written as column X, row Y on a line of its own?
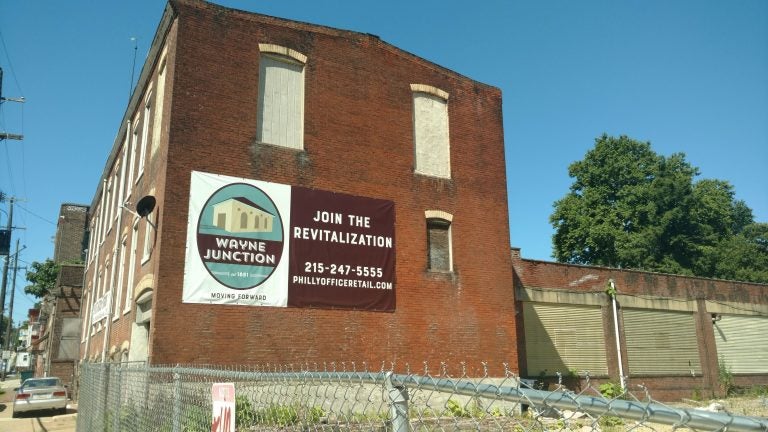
column 432, row 151
column 144, row 133
column 132, row 155
column 131, row 265
column 87, row 316
column 281, row 101
column 159, row 97
column 120, row 275
column 148, row 239
column 108, row 206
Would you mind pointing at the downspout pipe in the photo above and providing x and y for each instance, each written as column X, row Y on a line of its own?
column 612, row 293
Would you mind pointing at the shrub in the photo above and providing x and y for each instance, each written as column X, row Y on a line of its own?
column 610, row 421
column 245, row 415
column 278, row 415
column 611, row 390
column 725, row 377
column 455, row 409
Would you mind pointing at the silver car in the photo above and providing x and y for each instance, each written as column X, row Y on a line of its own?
column 40, row 394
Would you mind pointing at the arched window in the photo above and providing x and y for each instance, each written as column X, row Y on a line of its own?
column 439, row 247
column 432, row 150
column 281, row 97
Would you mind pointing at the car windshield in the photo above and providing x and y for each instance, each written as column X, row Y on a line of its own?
column 48, row 382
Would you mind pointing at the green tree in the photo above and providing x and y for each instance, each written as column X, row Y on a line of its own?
column 743, row 256
column 43, row 277
column 630, row 207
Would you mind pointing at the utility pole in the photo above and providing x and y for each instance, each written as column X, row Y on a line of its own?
column 7, row 259
column 10, row 306
column 5, row 135
column 5, row 278
column 10, row 310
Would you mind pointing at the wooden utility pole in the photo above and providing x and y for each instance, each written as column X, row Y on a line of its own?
column 5, row 135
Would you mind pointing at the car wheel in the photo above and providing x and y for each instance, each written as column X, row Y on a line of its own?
column 63, row 411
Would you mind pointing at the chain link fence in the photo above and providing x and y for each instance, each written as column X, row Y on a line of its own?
column 352, row 397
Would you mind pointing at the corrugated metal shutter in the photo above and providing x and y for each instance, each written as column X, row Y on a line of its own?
column 742, row 342
column 281, row 102
column 560, row 338
column 661, row 342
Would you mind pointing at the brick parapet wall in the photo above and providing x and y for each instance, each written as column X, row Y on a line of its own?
column 550, row 275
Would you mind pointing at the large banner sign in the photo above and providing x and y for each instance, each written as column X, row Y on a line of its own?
column 256, row 243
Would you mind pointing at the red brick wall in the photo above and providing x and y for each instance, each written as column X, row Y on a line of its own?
column 358, row 140
column 544, row 274
column 70, row 234
column 557, row 276
column 64, row 369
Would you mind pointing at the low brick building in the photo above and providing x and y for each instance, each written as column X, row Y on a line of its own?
column 388, row 172
column 674, row 332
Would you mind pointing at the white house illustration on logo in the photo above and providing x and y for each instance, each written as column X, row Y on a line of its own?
column 239, row 214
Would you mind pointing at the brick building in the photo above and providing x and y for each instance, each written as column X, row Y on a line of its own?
column 70, row 242
column 394, row 165
column 56, row 349
column 674, row 332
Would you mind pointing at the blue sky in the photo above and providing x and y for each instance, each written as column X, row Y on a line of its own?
column 688, row 76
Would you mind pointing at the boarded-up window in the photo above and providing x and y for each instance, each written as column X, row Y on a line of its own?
column 742, row 343
column 439, row 243
column 148, row 239
column 281, row 102
column 157, row 122
column 563, row 338
column 430, row 135
column 145, row 132
column 661, row 342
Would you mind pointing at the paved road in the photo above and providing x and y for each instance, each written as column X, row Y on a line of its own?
column 46, row 423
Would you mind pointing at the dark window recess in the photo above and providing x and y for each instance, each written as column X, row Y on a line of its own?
column 438, row 236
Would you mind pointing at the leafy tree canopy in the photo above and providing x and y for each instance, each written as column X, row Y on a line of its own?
column 630, row 207
column 43, row 277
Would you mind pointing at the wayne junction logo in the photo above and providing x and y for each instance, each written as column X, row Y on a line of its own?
column 240, row 236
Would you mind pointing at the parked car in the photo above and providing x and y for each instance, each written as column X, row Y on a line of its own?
column 37, row 394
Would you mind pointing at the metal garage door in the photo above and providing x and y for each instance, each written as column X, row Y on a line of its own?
column 660, row 342
column 742, row 342
column 560, row 338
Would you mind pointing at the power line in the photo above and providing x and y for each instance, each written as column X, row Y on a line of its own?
column 10, row 169
column 35, row 214
column 10, row 65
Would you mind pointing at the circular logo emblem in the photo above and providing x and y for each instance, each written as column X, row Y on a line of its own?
column 240, row 236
